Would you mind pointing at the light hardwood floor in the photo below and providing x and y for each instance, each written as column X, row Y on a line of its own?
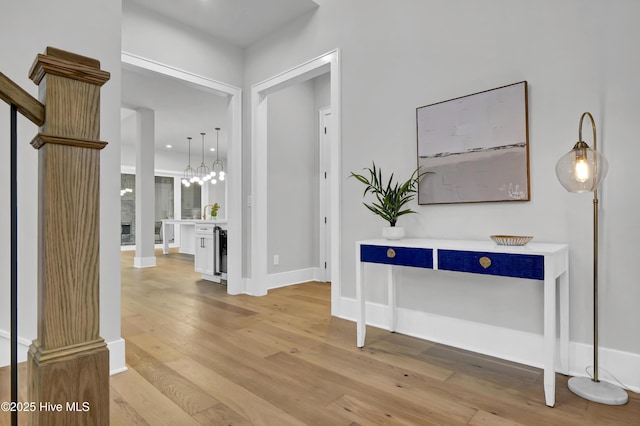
column 198, row 356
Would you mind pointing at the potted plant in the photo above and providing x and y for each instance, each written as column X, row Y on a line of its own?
column 214, row 211
column 391, row 197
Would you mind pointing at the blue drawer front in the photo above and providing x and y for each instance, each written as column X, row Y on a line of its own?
column 404, row 256
column 504, row 264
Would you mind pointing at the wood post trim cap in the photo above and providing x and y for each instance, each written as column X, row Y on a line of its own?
column 67, row 64
column 41, row 355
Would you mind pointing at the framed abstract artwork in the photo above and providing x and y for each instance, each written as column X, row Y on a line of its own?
column 477, row 147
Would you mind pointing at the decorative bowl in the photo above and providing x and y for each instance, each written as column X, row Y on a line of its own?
column 511, row 240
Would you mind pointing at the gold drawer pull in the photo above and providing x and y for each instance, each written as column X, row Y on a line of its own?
column 485, row 262
column 391, row 253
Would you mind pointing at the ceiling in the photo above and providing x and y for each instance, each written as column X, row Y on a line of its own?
column 239, row 22
column 181, row 110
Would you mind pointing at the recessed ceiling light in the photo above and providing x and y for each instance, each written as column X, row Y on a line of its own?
column 169, row 146
column 212, row 149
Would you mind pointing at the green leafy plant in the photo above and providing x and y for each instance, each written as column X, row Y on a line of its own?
column 390, row 196
column 214, row 209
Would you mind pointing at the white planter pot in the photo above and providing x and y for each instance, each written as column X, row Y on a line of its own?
column 393, row 232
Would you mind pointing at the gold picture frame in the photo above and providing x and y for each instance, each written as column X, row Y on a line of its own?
column 477, row 147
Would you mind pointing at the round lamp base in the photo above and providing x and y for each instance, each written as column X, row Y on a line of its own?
column 601, row 392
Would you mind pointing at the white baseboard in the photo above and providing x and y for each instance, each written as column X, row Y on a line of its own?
column 513, row 345
column 617, row 367
column 144, row 262
column 250, row 289
column 284, row 279
column 117, row 362
column 132, row 247
column 5, row 348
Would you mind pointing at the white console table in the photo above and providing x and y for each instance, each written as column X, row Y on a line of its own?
column 544, row 262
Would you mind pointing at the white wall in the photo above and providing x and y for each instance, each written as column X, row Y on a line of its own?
column 576, row 56
column 91, row 29
column 292, row 209
column 160, row 39
column 322, row 91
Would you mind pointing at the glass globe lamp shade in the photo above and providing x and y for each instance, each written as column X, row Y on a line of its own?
column 582, row 169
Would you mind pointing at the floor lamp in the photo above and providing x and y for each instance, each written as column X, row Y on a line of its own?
column 581, row 170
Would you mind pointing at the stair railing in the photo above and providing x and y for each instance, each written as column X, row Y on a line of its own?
column 20, row 101
column 68, row 363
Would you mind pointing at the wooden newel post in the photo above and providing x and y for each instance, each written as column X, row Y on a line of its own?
column 69, row 361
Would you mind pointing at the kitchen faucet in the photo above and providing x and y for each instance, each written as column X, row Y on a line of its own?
column 204, row 211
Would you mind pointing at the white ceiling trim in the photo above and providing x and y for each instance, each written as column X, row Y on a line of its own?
column 131, row 61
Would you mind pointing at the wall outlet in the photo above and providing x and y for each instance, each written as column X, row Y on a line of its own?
column 276, row 259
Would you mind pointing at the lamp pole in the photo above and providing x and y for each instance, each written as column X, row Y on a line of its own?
column 595, row 248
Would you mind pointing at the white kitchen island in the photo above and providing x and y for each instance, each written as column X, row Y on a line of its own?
column 186, row 236
column 206, row 240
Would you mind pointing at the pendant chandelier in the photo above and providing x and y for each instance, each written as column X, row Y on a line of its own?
column 189, row 175
column 219, row 175
column 202, row 172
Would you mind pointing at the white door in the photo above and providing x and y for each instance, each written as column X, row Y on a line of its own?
column 325, row 194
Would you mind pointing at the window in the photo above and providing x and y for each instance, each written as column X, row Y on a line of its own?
column 191, row 202
column 164, row 202
column 127, row 209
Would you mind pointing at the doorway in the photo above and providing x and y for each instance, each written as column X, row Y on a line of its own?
column 235, row 281
column 328, row 63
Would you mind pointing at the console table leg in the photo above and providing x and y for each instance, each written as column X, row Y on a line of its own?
column 361, row 323
column 392, row 298
column 564, row 322
column 550, row 394
column 549, row 334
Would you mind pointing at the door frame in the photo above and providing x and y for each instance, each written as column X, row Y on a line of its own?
column 235, row 281
column 327, row 63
